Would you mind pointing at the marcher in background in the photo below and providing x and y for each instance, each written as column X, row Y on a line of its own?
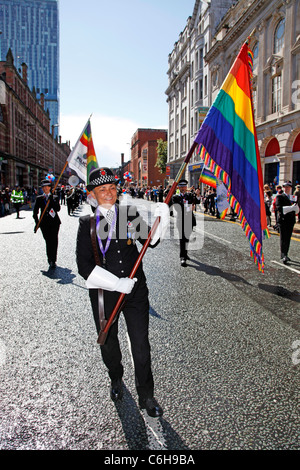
column 297, row 194
column 184, row 206
column 17, row 199
column 50, row 221
column 268, row 204
column 71, row 200
column 286, row 210
column 6, row 199
column 106, row 253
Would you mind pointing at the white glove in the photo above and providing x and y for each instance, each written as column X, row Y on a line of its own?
column 287, row 209
column 162, row 211
column 102, row 279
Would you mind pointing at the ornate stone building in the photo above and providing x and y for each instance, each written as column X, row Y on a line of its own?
column 188, row 93
column 275, row 40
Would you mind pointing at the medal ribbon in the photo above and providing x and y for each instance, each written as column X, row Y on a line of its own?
column 104, row 250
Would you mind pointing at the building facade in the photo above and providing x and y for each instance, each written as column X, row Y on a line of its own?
column 213, row 38
column 188, row 93
column 144, row 156
column 30, row 29
column 275, row 41
column 28, row 148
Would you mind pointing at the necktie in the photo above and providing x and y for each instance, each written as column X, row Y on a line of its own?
column 109, row 216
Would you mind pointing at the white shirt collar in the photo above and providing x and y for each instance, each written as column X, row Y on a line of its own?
column 104, row 210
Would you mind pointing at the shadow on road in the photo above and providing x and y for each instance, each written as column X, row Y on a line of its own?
column 64, row 275
column 281, row 291
column 143, row 432
column 215, row 271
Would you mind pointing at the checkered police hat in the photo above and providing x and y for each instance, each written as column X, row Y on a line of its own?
column 46, row 182
column 100, row 176
column 182, row 183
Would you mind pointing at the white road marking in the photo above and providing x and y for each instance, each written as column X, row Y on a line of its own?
column 211, row 235
column 285, row 266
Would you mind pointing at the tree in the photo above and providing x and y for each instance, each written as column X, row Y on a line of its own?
column 162, row 154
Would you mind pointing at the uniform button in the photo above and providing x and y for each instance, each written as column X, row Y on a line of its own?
column 120, row 261
column 118, row 251
column 122, row 271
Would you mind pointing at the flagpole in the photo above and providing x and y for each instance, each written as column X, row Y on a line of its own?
column 103, row 333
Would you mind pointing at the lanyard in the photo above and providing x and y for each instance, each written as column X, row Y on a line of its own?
column 104, row 250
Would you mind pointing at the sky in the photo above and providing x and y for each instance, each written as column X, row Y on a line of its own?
column 113, row 67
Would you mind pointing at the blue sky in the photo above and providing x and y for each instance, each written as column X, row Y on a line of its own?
column 113, row 65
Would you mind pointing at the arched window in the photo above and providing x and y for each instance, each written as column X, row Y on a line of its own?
column 255, row 55
column 272, row 148
column 296, row 146
column 279, row 36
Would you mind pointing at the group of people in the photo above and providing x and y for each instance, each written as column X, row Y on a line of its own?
column 108, row 260
column 15, row 198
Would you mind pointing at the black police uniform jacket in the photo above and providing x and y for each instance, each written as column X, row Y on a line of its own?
column 288, row 219
column 52, row 208
column 186, row 219
column 119, row 258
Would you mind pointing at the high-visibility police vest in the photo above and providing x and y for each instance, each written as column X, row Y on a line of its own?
column 17, row 197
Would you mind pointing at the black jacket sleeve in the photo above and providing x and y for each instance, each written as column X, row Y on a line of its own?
column 84, row 250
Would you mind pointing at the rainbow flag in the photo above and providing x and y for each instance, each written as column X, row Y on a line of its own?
column 207, row 177
column 83, row 159
column 228, row 146
column 91, row 160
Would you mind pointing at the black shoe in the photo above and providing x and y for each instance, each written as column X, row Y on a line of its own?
column 183, row 262
column 151, row 406
column 116, row 390
column 52, row 264
column 285, row 259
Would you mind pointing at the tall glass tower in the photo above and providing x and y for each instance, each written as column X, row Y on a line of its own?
column 30, row 28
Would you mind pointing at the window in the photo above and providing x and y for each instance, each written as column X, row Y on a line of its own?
column 276, row 93
column 279, row 36
column 255, row 55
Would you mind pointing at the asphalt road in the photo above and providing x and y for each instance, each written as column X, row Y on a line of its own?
column 225, row 347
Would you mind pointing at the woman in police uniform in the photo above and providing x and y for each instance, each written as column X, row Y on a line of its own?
column 117, row 253
column 50, row 221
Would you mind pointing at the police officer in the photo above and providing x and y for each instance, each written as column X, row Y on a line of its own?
column 286, row 210
column 17, row 199
column 184, row 205
column 50, row 221
column 106, row 253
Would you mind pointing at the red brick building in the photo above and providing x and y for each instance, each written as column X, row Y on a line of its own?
column 28, row 150
column 144, row 155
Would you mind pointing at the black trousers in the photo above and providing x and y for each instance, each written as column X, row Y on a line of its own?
column 50, row 234
column 136, row 314
column 183, row 247
column 286, row 231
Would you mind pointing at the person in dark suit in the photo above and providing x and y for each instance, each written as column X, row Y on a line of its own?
column 105, row 261
column 286, row 210
column 184, row 206
column 50, row 221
